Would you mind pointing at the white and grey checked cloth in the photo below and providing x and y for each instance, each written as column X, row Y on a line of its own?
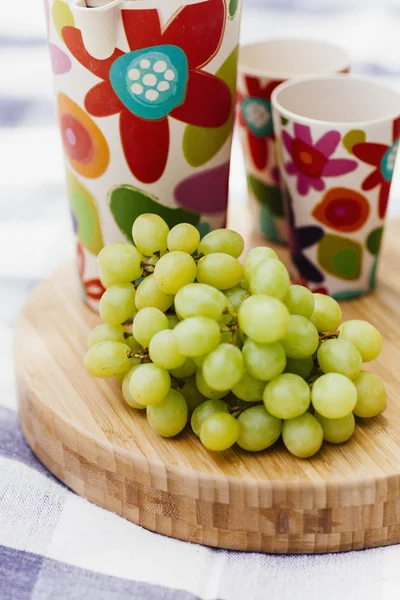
column 55, row 545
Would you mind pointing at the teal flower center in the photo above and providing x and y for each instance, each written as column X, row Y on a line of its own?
column 151, row 82
column 257, row 114
column 388, row 161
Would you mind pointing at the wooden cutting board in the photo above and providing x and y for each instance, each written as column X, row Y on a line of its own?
column 345, row 498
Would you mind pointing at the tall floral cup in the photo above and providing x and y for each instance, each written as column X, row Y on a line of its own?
column 337, row 140
column 263, row 66
column 145, row 94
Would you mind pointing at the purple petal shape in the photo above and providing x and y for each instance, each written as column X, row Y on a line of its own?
column 317, row 184
column 291, row 168
column 303, row 184
column 307, row 269
column 328, row 143
column 287, row 140
column 302, row 132
column 60, row 62
column 309, row 235
column 205, row 192
column 74, row 222
column 339, row 166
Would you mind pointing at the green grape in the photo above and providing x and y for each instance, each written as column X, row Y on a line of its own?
column 302, row 436
column 229, row 312
column 371, row 395
column 149, row 384
column 222, row 240
column 126, row 391
column 205, row 389
column 205, row 410
column 244, row 283
column 223, row 367
column 300, row 301
column 300, row 366
column 188, row 368
column 270, row 277
column 254, row 257
column 107, row 359
column 147, row 322
column 222, row 271
column 364, row 336
column 200, row 300
column 249, row 388
column 219, row 432
column 339, row 356
column 337, row 431
column 191, row 394
column 258, row 429
column 172, row 321
column 133, row 344
column 301, row 339
column 229, row 337
column 150, row 233
column 148, row 294
column 264, row 319
column 169, row 416
column 117, row 304
column 333, row 395
column 164, row 351
column 327, row 313
column 236, row 295
column 119, row 263
column 183, row 237
column 199, row 360
column 197, row 336
column 287, row 396
column 263, row 361
column 107, row 333
column 174, row 270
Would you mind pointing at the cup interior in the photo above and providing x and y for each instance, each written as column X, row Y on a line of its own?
column 340, row 99
column 287, row 59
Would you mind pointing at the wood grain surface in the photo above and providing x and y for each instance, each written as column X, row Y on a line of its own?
column 345, row 498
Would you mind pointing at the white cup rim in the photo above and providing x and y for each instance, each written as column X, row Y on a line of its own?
column 344, row 60
column 297, row 117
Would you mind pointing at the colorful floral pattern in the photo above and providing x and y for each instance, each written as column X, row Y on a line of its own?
column 91, row 288
column 342, row 209
column 311, row 162
column 299, row 239
column 60, row 62
column 201, row 144
column 383, row 158
column 160, row 77
column 85, row 218
column 255, row 115
column 205, row 192
column 84, row 145
column 374, row 241
column 62, row 17
column 128, row 202
column 340, row 256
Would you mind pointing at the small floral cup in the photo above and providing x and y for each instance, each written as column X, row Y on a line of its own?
column 262, row 67
column 337, row 140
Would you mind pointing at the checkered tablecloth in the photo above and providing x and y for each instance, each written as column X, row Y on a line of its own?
column 55, row 545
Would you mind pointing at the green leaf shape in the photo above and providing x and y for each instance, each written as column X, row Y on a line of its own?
column 62, row 16
column 84, row 209
column 374, row 240
column 267, row 224
column 353, row 137
column 267, row 195
column 128, row 202
column 372, row 276
column 233, row 6
column 284, row 121
column 341, row 257
column 201, row 144
column 348, row 294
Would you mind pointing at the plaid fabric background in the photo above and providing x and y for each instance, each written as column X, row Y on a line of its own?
column 53, row 544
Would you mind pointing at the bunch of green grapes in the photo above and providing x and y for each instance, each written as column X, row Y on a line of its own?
column 247, row 357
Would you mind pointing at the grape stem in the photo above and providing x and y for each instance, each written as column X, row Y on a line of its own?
column 328, row 336
column 198, row 257
column 143, row 356
column 235, row 411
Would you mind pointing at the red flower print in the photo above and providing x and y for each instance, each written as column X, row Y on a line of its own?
column 161, row 76
column 383, row 158
column 256, row 116
column 91, row 288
